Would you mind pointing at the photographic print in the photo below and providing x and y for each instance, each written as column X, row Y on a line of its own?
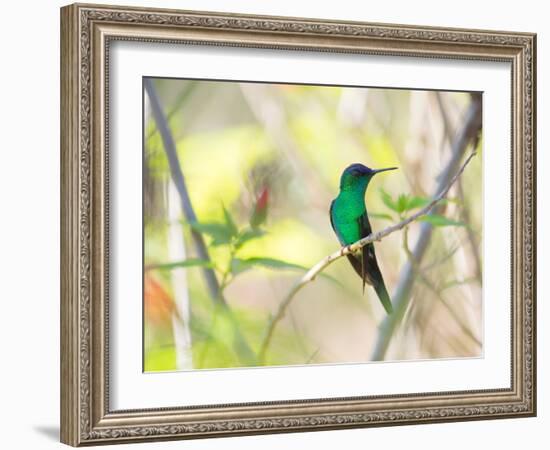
column 301, row 209
column 256, row 197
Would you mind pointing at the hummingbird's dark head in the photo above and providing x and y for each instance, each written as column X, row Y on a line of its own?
column 357, row 176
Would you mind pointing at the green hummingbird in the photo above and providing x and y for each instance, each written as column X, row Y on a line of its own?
column 350, row 222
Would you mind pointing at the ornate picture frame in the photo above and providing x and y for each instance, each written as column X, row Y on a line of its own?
column 87, row 31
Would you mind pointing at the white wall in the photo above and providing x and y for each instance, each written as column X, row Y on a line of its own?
column 29, row 224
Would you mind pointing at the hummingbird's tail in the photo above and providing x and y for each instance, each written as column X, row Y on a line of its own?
column 384, row 297
column 367, row 268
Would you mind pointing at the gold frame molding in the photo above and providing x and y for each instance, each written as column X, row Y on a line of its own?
column 86, row 31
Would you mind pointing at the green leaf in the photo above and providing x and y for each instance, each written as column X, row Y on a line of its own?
column 191, row 262
column 272, row 263
column 402, row 202
column 441, row 221
column 248, row 235
column 239, row 265
column 388, row 201
column 231, row 227
column 416, row 202
column 219, row 232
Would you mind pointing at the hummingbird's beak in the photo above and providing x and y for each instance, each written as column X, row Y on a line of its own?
column 383, row 170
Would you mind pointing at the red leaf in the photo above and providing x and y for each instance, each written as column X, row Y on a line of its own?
column 158, row 304
column 259, row 214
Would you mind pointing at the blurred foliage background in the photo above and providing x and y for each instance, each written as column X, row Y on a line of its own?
column 262, row 163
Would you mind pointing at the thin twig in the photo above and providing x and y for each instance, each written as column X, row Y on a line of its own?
column 432, row 287
column 313, row 356
column 328, row 260
column 465, row 214
column 181, row 98
column 465, row 217
column 465, row 136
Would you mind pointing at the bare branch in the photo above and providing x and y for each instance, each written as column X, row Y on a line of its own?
column 182, row 97
column 328, row 260
column 435, row 290
column 179, row 182
column 465, row 136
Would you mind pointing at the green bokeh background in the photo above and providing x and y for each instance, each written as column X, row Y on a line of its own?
column 236, row 139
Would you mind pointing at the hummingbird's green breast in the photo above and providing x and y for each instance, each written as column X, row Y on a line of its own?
column 346, row 210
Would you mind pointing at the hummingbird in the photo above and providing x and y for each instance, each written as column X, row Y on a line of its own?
column 350, row 222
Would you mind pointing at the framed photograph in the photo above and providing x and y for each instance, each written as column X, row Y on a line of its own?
column 276, row 225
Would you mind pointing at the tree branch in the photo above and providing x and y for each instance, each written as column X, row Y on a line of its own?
column 181, row 99
column 328, row 260
column 179, row 182
column 240, row 345
column 435, row 290
column 465, row 214
column 467, row 134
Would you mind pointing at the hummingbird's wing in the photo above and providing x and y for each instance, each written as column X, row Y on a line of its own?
column 366, row 265
column 355, row 262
